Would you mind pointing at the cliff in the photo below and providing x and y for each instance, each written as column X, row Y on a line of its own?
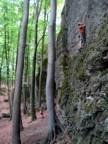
column 82, row 76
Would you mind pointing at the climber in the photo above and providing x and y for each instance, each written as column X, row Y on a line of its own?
column 82, row 36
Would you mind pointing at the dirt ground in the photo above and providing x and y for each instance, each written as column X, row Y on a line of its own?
column 33, row 133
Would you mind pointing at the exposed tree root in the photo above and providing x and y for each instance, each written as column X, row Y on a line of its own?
column 58, row 135
column 50, row 138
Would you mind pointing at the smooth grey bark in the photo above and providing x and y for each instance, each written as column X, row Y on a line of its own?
column 18, row 46
column 41, row 63
column 51, row 70
column 37, row 13
column 25, row 76
column 16, row 118
column 24, row 96
column 36, row 90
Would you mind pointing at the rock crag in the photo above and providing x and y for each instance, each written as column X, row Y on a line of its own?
column 82, row 76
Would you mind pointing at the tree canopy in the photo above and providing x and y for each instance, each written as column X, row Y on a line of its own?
column 10, row 24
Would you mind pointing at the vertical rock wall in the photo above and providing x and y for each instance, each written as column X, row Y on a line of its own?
column 82, row 76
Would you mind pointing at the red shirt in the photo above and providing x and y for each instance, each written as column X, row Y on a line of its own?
column 81, row 27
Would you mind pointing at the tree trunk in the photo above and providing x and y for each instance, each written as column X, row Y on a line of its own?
column 21, row 123
column 24, row 96
column 18, row 46
column 6, row 47
column 1, row 67
column 51, row 71
column 19, row 73
column 36, row 91
column 13, row 68
column 41, row 64
column 25, row 77
column 33, row 113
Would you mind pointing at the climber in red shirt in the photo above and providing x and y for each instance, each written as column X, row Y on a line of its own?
column 81, row 27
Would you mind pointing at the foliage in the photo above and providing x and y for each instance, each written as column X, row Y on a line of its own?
column 10, row 23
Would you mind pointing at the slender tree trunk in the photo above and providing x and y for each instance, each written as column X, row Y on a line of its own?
column 18, row 47
column 33, row 112
column 41, row 64
column 28, row 68
column 13, row 68
column 1, row 66
column 24, row 95
column 51, row 71
column 18, row 84
column 40, row 83
column 8, row 76
column 6, row 46
column 36, row 91
column 25, row 79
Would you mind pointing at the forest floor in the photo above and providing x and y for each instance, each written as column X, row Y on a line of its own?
column 33, row 133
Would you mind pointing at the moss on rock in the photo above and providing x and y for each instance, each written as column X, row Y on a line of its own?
column 103, row 30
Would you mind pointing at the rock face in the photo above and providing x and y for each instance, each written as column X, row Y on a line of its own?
column 82, row 76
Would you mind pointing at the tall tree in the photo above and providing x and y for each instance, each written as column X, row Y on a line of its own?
column 51, row 72
column 6, row 46
column 37, row 13
column 25, row 75
column 42, row 57
column 19, row 73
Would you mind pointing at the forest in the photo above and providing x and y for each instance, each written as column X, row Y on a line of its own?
column 53, row 72
column 24, row 43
